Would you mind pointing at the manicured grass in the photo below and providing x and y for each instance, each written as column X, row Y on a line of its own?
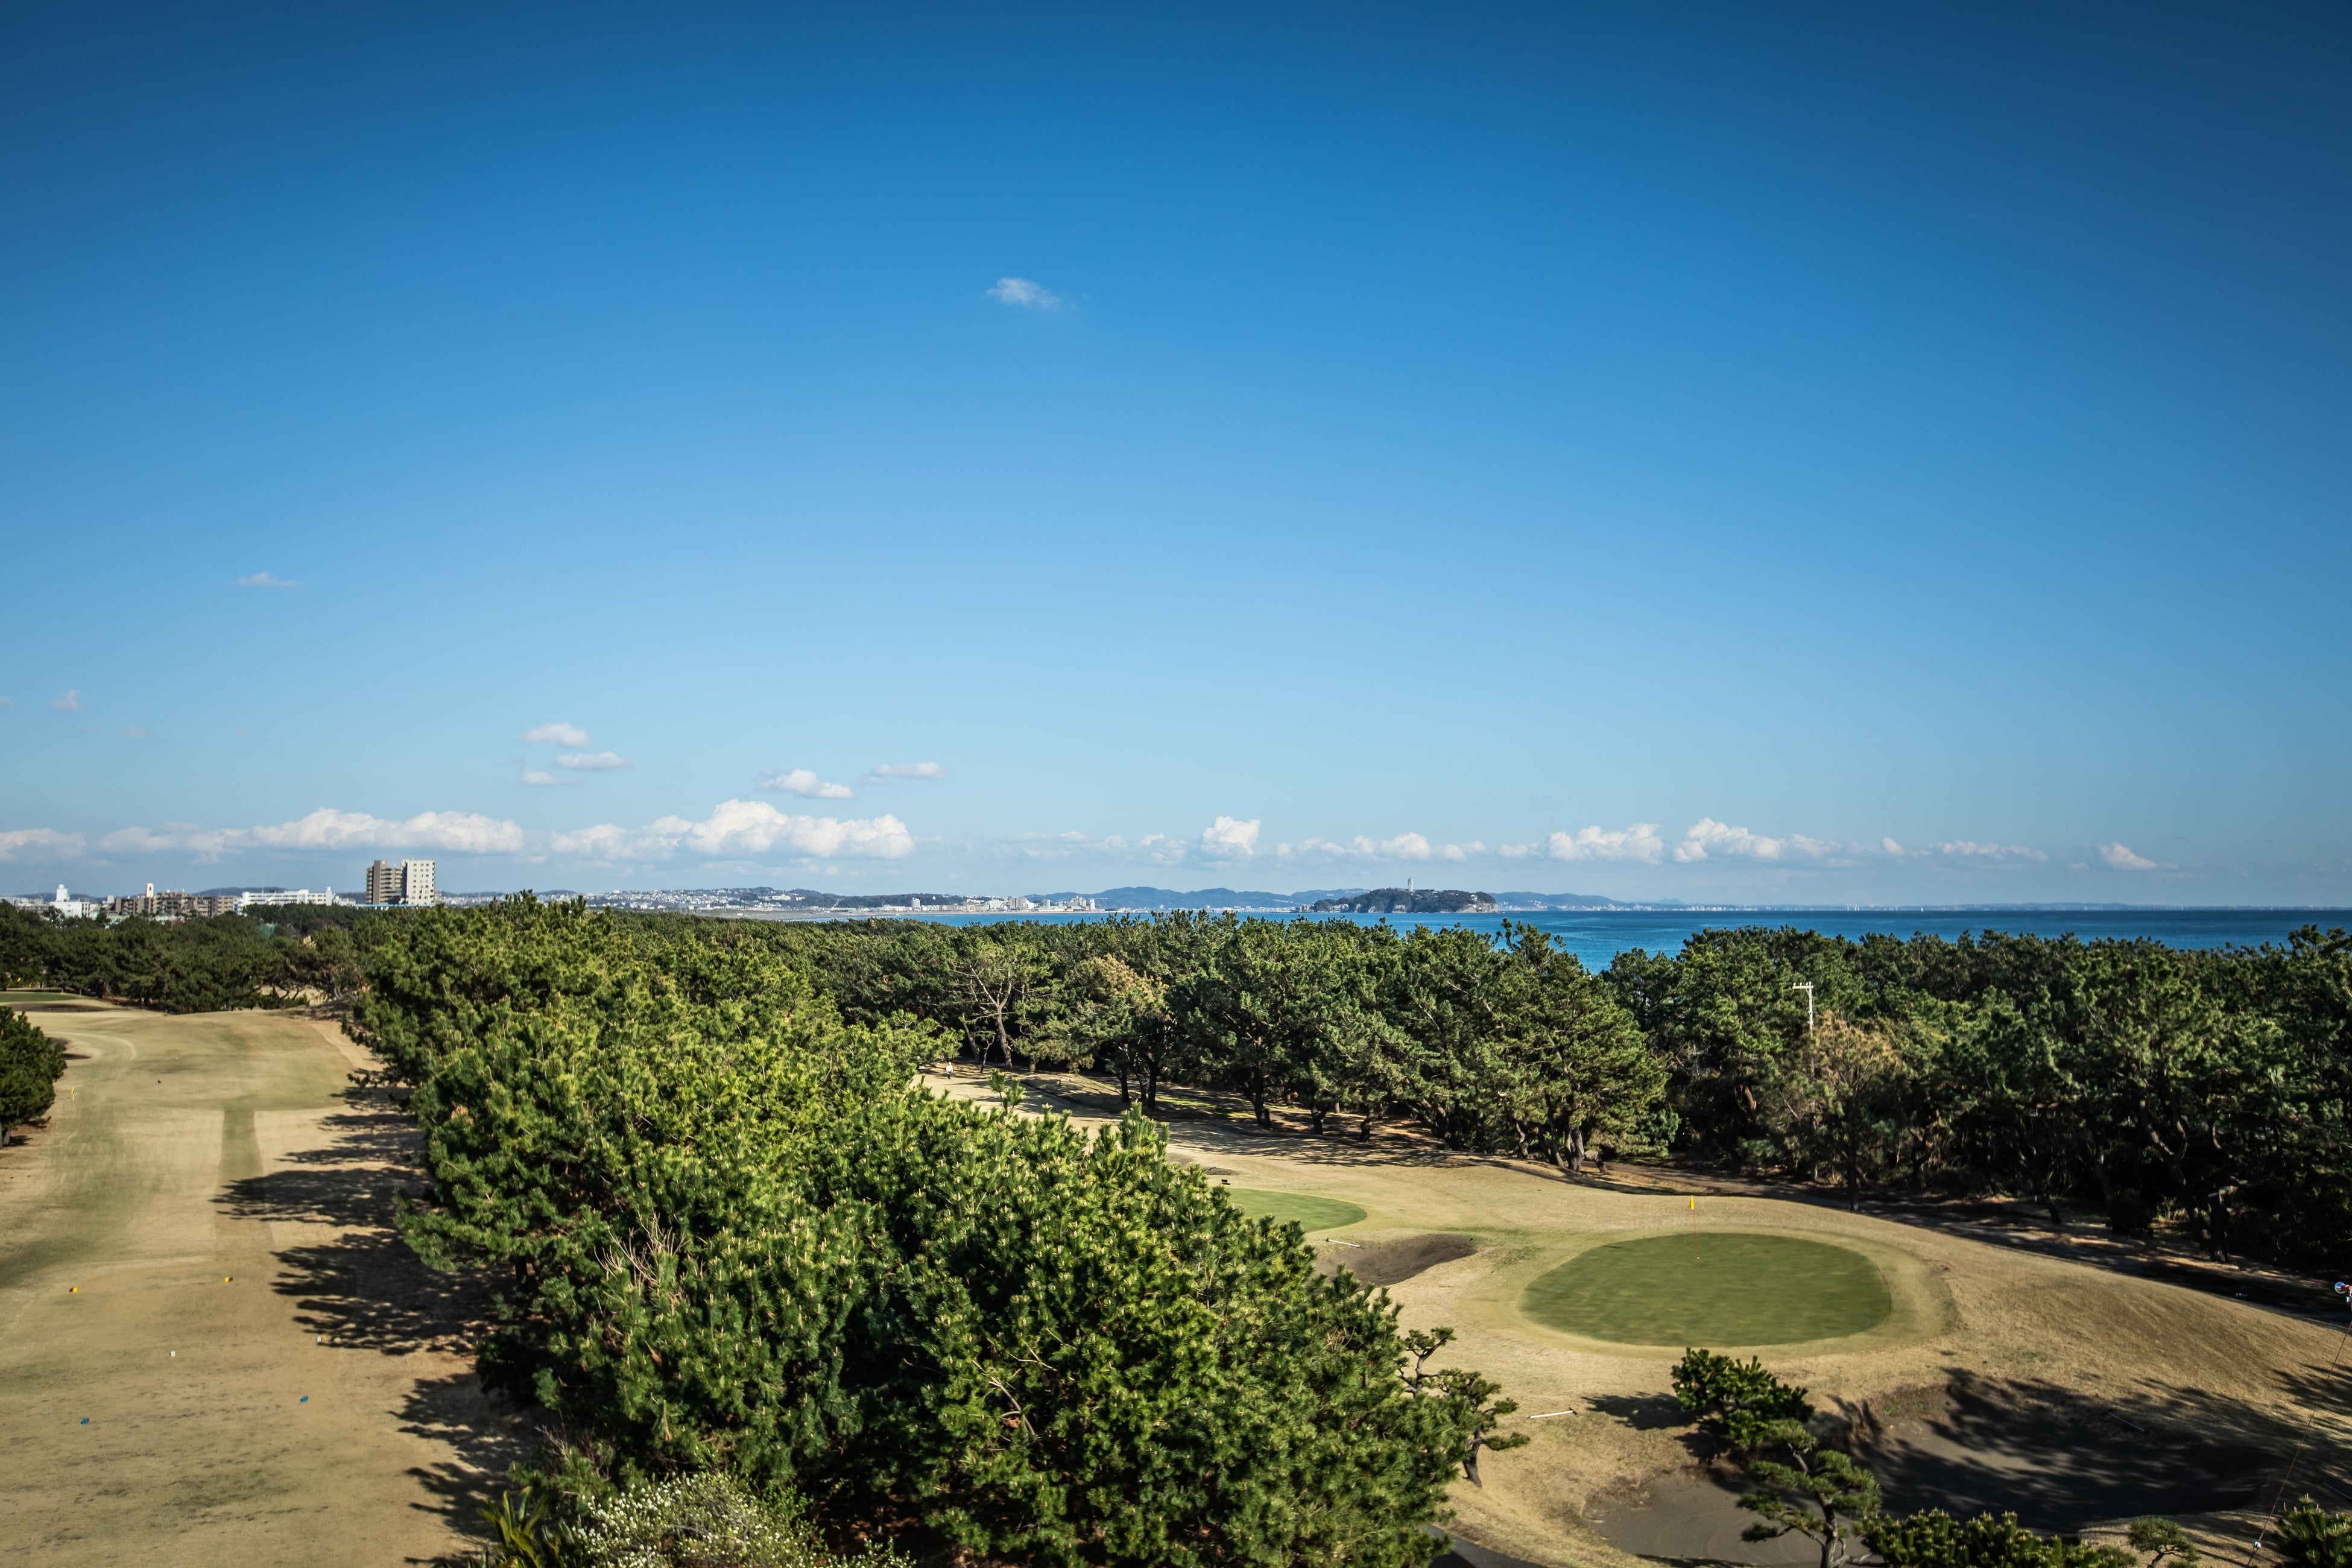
column 1716, row 1287
column 1314, row 1214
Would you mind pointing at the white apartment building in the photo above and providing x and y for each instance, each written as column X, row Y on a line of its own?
column 296, row 896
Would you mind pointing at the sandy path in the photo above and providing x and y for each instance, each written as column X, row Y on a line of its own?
column 208, row 1200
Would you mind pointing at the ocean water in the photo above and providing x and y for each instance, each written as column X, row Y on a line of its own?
column 1596, row 936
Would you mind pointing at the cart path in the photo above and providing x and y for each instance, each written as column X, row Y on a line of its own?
column 210, row 1198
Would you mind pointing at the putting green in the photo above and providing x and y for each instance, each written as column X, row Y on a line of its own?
column 1716, row 1287
column 1312, row 1213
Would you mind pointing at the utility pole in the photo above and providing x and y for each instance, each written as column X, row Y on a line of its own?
column 1807, row 987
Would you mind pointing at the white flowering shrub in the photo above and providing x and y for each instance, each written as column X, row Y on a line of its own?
column 707, row 1520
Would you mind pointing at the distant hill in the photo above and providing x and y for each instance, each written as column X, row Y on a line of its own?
column 1581, row 901
column 1409, row 901
column 1200, row 898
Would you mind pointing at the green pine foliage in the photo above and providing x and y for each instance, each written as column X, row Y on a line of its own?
column 2199, row 1094
column 30, row 1065
column 2319, row 1537
column 1935, row 1539
column 731, row 1236
column 193, row 965
column 1738, row 1402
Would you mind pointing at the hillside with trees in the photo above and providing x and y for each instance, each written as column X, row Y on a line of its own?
column 1407, row 901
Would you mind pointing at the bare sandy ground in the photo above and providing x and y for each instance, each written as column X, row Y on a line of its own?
column 2077, row 1395
column 209, row 1200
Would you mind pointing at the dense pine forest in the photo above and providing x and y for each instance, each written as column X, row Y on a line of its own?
column 769, row 1291
column 2127, row 1083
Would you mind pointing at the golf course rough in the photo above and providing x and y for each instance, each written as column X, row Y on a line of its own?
column 1314, row 1214
column 1713, row 1289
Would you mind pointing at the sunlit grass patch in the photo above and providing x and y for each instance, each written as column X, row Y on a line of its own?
column 1712, row 1287
column 1313, row 1213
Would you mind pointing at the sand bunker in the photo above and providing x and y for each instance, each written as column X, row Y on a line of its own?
column 1394, row 1261
column 2062, row 1464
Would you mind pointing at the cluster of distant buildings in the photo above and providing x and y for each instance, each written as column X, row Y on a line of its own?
column 776, row 901
column 405, row 884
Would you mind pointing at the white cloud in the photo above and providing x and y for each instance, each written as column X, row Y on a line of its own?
column 2123, row 859
column 67, row 702
column 1968, row 850
column 7, row 703
column 1025, row 292
column 39, row 843
column 453, row 832
column 888, row 770
column 172, row 837
column 1708, row 837
column 264, row 580
column 556, row 735
column 1404, row 846
column 1228, row 839
column 1637, row 842
column 1158, row 847
column 1061, row 846
column 742, row 827
column 537, row 779
column 590, row 761
column 458, row 832
column 803, row 782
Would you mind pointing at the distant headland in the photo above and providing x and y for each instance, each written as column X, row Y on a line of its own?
column 1407, row 901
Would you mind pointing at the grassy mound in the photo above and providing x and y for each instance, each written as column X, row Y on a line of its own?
column 1314, row 1214
column 1716, row 1287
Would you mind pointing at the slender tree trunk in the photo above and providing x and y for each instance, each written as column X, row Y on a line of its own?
column 2099, row 1169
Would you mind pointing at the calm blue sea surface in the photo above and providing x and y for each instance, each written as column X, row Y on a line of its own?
column 1596, row 936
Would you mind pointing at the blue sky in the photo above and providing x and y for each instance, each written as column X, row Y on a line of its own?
column 1858, row 453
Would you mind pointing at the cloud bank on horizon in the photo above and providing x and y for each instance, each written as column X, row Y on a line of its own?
column 737, row 834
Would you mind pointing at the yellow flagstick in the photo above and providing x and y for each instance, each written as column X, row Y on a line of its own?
column 1694, row 1230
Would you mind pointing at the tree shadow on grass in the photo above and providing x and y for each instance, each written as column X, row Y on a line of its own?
column 361, row 1285
column 1642, row 1412
column 2062, row 1460
column 356, row 1280
column 489, row 1435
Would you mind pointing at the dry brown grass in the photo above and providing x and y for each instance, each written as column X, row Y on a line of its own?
column 206, row 1203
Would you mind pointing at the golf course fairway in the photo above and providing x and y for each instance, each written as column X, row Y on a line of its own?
column 1313, row 1213
column 1711, row 1288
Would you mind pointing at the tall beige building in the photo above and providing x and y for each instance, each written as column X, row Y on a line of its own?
column 410, row 882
